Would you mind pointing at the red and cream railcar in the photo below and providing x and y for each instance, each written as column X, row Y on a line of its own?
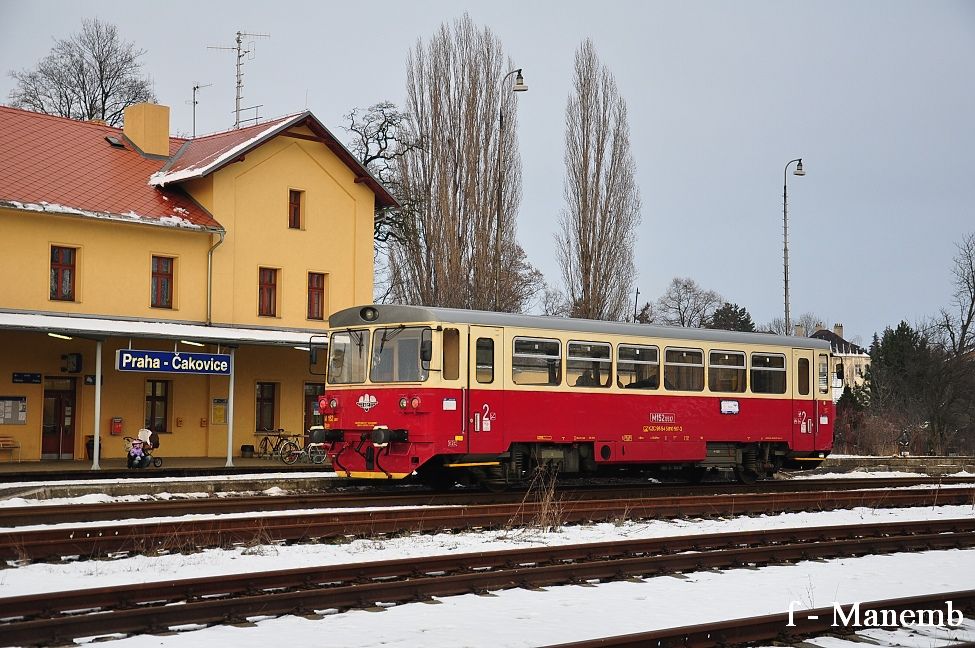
column 451, row 395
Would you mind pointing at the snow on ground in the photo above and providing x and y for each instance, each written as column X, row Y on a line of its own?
column 864, row 474
column 521, row 617
column 538, row 617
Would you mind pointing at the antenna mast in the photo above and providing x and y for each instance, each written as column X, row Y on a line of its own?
column 196, row 89
column 241, row 52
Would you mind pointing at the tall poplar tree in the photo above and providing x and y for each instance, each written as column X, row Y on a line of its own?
column 595, row 246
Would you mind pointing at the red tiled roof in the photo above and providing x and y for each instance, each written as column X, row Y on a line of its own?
column 61, row 165
column 204, row 155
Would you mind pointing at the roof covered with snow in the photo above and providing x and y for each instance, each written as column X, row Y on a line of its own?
column 204, row 155
column 56, row 165
column 65, row 166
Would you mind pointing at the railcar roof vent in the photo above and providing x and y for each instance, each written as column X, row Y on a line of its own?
column 114, row 141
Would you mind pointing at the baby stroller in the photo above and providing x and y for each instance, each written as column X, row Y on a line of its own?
column 139, row 450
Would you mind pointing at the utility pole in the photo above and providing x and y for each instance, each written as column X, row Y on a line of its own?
column 241, row 52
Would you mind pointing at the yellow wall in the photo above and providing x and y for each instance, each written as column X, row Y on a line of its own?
column 251, row 201
column 113, row 266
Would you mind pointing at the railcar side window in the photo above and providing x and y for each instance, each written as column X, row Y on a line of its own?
column 768, row 373
column 726, row 371
column 536, row 361
column 823, row 373
column 803, row 377
column 347, row 353
column 451, row 354
column 684, row 369
column 485, row 360
column 638, row 367
column 589, row 364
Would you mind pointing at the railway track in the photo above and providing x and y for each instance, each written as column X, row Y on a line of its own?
column 55, row 618
column 55, row 514
column 91, row 540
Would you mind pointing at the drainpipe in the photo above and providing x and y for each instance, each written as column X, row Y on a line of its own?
column 210, row 276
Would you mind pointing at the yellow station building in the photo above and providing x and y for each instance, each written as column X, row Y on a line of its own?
column 128, row 245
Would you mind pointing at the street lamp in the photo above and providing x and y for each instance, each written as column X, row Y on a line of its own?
column 785, row 234
column 519, row 86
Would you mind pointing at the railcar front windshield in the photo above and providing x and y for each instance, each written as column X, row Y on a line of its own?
column 347, row 354
column 397, row 354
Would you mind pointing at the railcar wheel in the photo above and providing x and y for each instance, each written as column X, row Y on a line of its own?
column 746, row 476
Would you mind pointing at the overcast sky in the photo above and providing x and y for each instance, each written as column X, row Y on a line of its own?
column 878, row 98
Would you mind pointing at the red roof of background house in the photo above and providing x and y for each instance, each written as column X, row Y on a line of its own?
column 59, row 165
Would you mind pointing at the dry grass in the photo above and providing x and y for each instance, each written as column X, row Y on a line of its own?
column 541, row 510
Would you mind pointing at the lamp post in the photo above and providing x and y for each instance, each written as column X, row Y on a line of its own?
column 785, row 234
column 519, row 86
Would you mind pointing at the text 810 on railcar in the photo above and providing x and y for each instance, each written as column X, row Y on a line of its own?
column 453, row 395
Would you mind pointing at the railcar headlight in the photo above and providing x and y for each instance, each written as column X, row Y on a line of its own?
column 369, row 314
column 415, row 402
column 333, row 402
column 402, row 403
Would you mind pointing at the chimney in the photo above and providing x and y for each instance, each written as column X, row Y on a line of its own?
column 838, row 330
column 800, row 330
column 147, row 126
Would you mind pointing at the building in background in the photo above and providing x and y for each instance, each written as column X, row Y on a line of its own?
column 850, row 361
column 129, row 242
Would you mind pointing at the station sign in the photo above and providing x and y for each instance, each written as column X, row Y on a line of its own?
column 173, row 362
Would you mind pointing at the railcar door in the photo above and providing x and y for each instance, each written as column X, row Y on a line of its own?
column 823, row 402
column 485, row 388
column 803, row 400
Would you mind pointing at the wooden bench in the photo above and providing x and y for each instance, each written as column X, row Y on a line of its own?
column 9, row 444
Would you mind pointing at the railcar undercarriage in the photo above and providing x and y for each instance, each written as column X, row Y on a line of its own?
column 749, row 462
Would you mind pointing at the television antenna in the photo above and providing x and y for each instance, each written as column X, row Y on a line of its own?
column 241, row 52
column 196, row 90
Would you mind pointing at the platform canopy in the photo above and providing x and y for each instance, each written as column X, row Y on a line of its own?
column 97, row 328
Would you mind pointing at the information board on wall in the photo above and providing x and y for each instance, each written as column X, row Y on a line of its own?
column 13, row 410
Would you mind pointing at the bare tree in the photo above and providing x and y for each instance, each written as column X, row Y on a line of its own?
column 379, row 137
column 595, row 247
column 808, row 322
column 955, row 322
column 450, row 253
column 91, row 75
column 687, row 304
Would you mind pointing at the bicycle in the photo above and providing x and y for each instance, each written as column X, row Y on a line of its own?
column 312, row 453
column 281, row 446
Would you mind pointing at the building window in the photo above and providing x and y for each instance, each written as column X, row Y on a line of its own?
column 316, row 296
column 162, row 282
column 294, row 209
column 266, row 397
column 268, row 292
column 157, row 405
column 62, row 273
